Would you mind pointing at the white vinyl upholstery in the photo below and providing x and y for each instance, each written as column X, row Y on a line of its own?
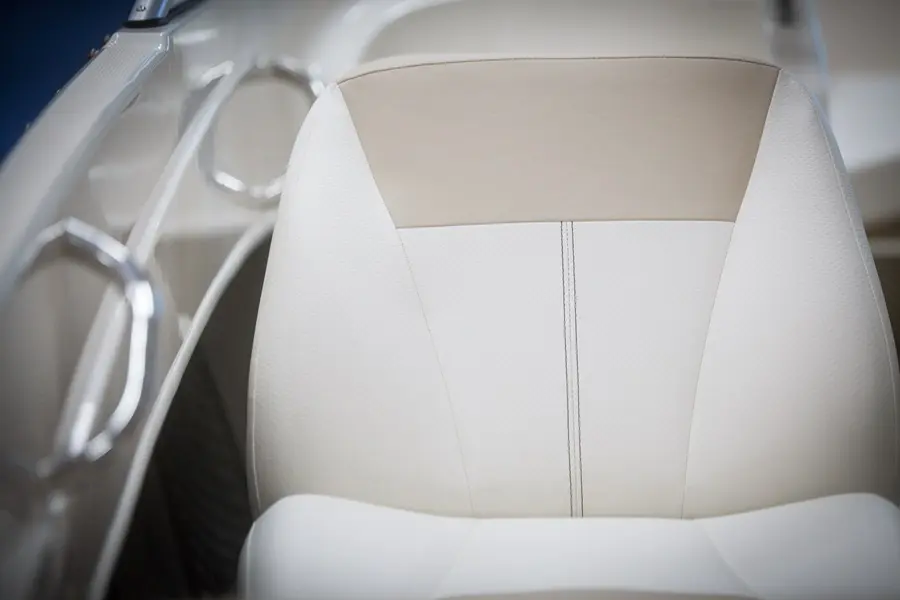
column 704, row 338
column 503, row 282
column 321, row 547
column 669, row 299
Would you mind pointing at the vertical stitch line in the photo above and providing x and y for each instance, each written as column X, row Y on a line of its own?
column 563, row 261
column 577, row 381
column 570, row 400
column 573, row 416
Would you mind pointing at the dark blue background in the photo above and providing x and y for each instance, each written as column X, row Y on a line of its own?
column 44, row 44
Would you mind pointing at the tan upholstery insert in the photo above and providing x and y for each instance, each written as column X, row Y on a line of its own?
column 491, row 140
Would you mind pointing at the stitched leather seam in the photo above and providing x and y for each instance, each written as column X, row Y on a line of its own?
column 690, row 436
column 573, row 412
column 457, row 558
column 412, row 278
column 577, row 373
column 752, row 592
column 437, row 61
column 712, row 310
column 570, row 367
column 562, row 259
column 437, row 359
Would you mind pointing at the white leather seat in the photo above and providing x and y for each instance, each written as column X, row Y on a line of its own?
column 571, row 328
column 320, row 547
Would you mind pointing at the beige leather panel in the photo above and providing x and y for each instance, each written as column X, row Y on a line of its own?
column 573, row 139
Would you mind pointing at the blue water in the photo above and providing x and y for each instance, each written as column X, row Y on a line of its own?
column 43, row 45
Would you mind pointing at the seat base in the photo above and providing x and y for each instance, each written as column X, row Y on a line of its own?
column 320, row 547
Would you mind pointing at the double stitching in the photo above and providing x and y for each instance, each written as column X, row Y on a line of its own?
column 570, row 329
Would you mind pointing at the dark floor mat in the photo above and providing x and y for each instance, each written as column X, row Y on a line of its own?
column 194, row 513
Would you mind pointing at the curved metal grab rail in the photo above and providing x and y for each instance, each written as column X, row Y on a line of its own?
column 106, row 255
column 265, row 194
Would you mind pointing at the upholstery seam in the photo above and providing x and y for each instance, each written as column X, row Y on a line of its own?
column 567, row 318
column 574, row 222
column 415, row 285
column 712, row 310
column 432, row 61
column 573, row 411
column 577, row 370
column 437, row 359
column 862, row 259
column 562, row 257
column 728, row 565
column 457, row 558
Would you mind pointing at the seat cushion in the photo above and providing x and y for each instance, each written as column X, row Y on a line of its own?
column 838, row 547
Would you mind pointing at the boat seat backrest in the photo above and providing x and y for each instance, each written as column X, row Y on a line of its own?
column 570, row 287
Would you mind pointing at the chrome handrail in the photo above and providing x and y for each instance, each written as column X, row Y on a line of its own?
column 261, row 195
column 103, row 253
